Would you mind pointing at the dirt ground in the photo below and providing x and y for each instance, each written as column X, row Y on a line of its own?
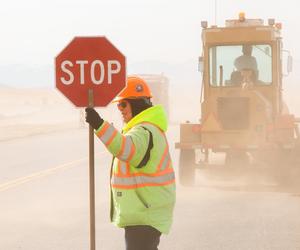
column 26, row 112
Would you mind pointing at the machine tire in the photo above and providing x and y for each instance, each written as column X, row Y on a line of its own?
column 287, row 167
column 187, row 167
column 237, row 158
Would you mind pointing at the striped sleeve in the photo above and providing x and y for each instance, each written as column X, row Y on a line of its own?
column 128, row 148
column 140, row 138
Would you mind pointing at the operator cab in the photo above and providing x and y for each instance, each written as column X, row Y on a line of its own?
column 240, row 64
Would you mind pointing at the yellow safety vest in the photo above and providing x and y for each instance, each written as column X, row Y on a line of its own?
column 141, row 195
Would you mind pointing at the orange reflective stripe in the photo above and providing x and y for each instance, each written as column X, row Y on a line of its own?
column 122, row 148
column 165, row 159
column 106, row 136
column 111, row 138
column 123, row 168
column 165, row 162
column 132, row 151
column 162, row 159
column 169, row 164
column 160, row 173
column 103, row 130
column 142, row 185
column 126, row 148
column 142, row 180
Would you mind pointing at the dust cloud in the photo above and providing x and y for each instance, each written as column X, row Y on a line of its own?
column 27, row 112
column 208, row 208
column 275, row 174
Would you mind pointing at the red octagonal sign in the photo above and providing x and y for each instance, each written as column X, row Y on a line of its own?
column 90, row 63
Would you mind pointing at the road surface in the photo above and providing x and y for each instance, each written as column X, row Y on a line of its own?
column 44, row 202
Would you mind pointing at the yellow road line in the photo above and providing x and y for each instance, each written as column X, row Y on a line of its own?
column 49, row 171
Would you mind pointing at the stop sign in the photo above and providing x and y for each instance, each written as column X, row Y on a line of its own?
column 90, row 63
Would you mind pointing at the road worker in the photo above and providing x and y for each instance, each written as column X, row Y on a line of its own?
column 246, row 65
column 142, row 176
column 246, row 61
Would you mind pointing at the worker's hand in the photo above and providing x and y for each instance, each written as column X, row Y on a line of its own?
column 247, row 86
column 93, row 118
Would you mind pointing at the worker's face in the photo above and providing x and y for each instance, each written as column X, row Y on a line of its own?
column 125, row 109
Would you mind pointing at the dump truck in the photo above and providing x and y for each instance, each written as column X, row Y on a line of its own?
column 242, row 112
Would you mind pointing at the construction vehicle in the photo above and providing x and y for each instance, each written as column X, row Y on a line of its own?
column 242, row 113
column 159, row 85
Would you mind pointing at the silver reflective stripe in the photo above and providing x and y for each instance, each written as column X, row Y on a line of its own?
column 138, row 180
column 107, row 135
column 127, row 148
column 123, row 167
column 165, row 162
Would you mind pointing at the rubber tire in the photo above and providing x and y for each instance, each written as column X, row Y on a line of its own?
column 236, row 158
column 187, row 167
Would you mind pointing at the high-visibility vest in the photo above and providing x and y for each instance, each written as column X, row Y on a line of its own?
column 140, row 195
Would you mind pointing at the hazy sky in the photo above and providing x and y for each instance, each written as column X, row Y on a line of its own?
column 33, row 32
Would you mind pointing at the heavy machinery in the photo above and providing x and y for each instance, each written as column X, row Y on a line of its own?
column 242, row 111
column 159, row 85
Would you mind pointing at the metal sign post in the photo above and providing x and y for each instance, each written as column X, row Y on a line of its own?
column 92, row 177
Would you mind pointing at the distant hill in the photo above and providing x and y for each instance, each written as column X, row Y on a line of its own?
column 4, row 86
column 23, row 76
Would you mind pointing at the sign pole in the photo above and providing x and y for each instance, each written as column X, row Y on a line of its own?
column 92, row 177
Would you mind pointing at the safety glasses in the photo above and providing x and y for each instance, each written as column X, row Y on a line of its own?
column 122, row 105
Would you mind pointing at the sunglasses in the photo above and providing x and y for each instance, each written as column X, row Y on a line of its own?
column 122, row 105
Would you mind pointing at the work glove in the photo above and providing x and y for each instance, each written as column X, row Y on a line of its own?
column 93, row 118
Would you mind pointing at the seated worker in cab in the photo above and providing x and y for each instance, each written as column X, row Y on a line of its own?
column 246, row 61
column 246, row 67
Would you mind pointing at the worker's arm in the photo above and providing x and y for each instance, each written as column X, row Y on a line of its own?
column 131, row 147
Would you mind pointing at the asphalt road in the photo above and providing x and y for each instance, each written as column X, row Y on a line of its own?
column 44, row 202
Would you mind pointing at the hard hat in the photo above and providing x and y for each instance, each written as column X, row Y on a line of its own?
column 136, row 88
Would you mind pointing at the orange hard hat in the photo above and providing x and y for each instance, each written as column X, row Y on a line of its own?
column 136, row 88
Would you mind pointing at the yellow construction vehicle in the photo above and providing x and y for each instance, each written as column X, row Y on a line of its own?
column 242, row 111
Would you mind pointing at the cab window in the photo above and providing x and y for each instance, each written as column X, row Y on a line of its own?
column 235, row 64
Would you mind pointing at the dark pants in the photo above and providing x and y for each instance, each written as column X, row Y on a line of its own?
column 142, row 238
